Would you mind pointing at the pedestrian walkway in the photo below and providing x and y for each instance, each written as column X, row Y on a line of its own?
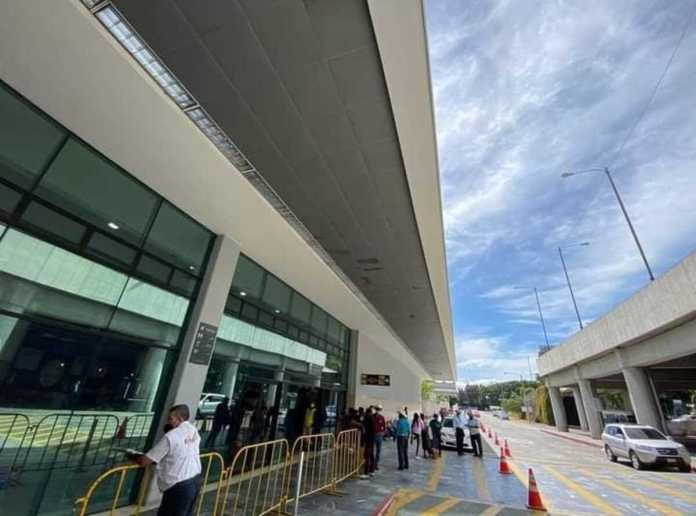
column 452, row 485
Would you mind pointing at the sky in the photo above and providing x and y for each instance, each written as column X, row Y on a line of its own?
column 526, row 90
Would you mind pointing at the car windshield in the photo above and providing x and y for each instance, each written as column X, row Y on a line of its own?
column 448, row 423
column 644, row 433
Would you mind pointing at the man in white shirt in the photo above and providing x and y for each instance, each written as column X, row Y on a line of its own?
column 459, row 425
column 178, row 464
column 474, row 434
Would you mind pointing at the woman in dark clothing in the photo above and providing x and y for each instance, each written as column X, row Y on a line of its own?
column 425, row 439
column 436, row 430
column 416, row 431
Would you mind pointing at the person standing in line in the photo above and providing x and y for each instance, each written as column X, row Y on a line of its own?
column 416, row 431
column 403, row 429
column 369, row 441
column 474, row 434
column 425, row 438
column 221, row 419
column 436, row 430
column 459, row 425
column 308, row 421
column 178, row 462
column 380, row 427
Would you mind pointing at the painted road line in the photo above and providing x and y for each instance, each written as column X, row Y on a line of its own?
column 402, row 498
column 667, row 490
column 441, row 507
column 630, row 493
column 491, row 511
column 480, row 481
column 435, row 474
column 586, row 495
column 524, row 479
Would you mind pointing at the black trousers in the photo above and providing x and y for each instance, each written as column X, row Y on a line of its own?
column 402, row 450
column 369, row 456
column 179, row 499
column 459, row 434
column 476, row 444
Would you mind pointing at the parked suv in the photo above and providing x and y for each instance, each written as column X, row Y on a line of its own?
column 644, row 446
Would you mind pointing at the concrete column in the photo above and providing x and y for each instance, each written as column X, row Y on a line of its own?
column 642, row 399
column 352, row 387
column 229, row 378
column 594, row 420
column 580, row 407
column 559, row 413
column 188, row 378
column 278, row 376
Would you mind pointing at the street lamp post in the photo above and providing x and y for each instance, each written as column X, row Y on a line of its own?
column 523, row 394
column 570, row 287
column 541, row 315
column 623, row 209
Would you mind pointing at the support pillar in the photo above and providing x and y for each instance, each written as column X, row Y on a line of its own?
column 351, row 393
column 642, row 399
column 187, row 381
column 559, row 414
column 229, row 378
column 594, row 419
column 580, row 406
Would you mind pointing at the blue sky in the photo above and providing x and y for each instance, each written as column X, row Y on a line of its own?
column 525, row 90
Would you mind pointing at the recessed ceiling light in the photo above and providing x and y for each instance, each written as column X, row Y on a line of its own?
column 242, row 293
column 277, row 311
column 113, row 225
column 192, row 268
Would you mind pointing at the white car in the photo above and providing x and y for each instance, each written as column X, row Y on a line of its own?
column 683, row 425
column 644, row 446
column 449, row 435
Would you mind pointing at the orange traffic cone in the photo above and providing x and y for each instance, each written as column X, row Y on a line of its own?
column 503, row 467
column 483, row 428
column 534, row 501
column 506, row 448
column 497, row 442
column 490, row 435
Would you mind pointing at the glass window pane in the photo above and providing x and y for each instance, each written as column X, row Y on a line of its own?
column 301, row 308
column 333, row 329
column 276, row 294
column 153, row 302
column 47, row 220
column 280, row 325
column 233, row 305
column 27, row 140
column 248, row 278
column 249, row 312
column 178, row 239
column 87, row 185
column 183, row 283
column 319, row 319
column 154, row 269
column 265, row 318
column 107, row 248
column 293, row 331
column 9, row 199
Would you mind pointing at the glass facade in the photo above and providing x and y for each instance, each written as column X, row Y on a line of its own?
column 278, row 358
column 97, row 274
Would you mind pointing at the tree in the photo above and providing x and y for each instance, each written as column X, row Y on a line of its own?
column 426, row 390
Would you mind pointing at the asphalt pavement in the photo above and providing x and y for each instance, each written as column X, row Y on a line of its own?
column 574, row 476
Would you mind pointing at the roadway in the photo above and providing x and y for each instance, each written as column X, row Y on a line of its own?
column 576, row 478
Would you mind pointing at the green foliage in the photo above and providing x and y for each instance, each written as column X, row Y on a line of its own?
column 512, row 405
column 542, row 406
column 483, row 396
column 426, row 390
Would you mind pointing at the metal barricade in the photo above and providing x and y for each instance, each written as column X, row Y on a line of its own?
column 213, row 481
column 318, row 467
column 255, row 482
column 134, row 430
column 348, row 454
column 70, row 440
column 14, row 430
column 119, row 473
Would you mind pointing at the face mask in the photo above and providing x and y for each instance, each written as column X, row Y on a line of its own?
column 167, row 428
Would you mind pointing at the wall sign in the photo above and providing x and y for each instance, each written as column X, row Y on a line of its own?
column 382, row 380
column 203, row 344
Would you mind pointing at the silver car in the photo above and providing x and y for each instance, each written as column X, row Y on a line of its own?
column 449, row 435
column 644, row 446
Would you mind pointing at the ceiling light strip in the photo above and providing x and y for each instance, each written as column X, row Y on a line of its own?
column 120, row 29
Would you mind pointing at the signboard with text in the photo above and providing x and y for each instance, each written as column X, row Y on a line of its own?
column 203, row 344
column 381, row 380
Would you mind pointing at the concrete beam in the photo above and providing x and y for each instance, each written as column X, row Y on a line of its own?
column 580, row 406
column 559, row 413
column 594, row 419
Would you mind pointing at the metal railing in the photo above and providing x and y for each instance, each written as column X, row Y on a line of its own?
column 14, row 429
column 256, row 479
column 261, row 479
column 317, row 467
column 349, row 456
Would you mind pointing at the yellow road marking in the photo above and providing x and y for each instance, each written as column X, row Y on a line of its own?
column 600, row 504
column 441, row 507
column 667, row 490
column 480, row 480
column 491, row 511
column 435, row 474
column 658, row 506
column 402, row 498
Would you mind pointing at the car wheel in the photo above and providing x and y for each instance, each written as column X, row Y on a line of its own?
column 610, row 454
column 635, row 461
column 685, row 468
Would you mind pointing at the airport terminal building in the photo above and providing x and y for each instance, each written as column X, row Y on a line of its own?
column 204, row 200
